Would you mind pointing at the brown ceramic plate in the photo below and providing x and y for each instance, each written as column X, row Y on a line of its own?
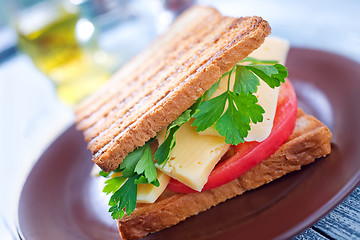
column 61, row 201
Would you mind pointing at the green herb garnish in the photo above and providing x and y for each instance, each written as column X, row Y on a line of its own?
column 137, row 168
column 234, row 123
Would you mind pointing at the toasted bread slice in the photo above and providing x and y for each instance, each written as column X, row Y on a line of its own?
column 310, row 140
column 154, row 88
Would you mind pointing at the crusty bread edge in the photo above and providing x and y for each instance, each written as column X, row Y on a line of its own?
column 298, row 151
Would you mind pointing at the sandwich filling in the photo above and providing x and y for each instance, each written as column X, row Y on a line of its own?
column 239, row 108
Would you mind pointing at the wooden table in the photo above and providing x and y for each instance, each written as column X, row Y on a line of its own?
column 341, row 223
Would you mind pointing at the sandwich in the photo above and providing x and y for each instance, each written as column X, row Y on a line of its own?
column 202, row 115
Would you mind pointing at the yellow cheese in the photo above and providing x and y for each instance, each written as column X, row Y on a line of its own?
column 148, row 193
column 272, row 49
column 193, row 157
column 268, row 101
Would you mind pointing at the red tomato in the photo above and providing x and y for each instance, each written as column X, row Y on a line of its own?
column 249, row 154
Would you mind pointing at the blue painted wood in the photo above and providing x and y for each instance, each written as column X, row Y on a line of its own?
column 344, row 221
column 310, row 234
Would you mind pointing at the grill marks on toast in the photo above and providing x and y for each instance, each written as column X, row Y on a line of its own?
column 152, row 92
column 155, row 79
column 146, row 101
column 140, row 65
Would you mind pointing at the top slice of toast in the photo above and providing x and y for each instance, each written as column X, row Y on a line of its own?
column 155, row 87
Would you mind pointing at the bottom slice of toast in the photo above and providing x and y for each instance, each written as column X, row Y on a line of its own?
column 309, row 140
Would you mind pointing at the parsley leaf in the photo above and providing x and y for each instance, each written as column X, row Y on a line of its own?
column 131, row 160
column 144, row 180
column 247, row 106
column 235, row 123
column 162, row 154
column 137, row 168
column 269, row 71
column 232, row 126
column 124, row 198
column 209, row 112
column 182, row 119
column 104, row 174
column 245, row 80
column 282, row 73
column 141, row 180
column 146, row 165
column 273, row 75
column 113, row 184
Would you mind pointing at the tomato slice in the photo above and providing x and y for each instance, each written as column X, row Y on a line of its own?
column 249, row 154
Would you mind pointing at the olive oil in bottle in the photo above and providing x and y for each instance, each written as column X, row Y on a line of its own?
column 62, row 46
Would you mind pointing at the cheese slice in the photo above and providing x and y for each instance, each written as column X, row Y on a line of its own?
column 277, row 49
column 148, row 193
column 267, row 99
column 193, row 157
column 272, row 49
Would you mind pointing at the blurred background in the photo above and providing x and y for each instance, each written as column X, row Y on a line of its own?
column 53, row 53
